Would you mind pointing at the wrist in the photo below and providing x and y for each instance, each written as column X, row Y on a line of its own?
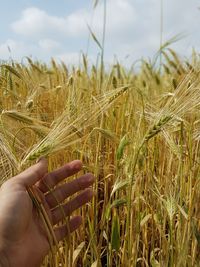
column 12, row 258
column 3, row 259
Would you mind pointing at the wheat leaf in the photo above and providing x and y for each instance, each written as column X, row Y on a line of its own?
column 95, row 38
column 77, row 251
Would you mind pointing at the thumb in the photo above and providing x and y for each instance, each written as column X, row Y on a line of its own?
column 33, row 174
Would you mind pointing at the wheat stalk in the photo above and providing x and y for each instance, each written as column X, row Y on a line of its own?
column 65, row 133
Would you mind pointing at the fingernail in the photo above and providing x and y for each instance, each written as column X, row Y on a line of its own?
column 77, row 164
column 40, row 159
column 90, row 178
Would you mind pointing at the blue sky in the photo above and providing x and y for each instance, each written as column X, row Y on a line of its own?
column 43, row 29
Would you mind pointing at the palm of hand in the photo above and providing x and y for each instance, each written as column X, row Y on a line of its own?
column 21, row 227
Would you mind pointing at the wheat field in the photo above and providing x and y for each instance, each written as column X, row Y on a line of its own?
column 137, row 130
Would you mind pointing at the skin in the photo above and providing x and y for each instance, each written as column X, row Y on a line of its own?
column 23, row 239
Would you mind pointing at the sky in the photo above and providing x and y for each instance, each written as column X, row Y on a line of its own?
column 42, row 29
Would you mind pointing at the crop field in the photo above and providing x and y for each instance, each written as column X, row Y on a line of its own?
column 137, row 130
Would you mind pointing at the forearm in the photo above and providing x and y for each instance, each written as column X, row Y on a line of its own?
column 13, row 261
column 15, row 257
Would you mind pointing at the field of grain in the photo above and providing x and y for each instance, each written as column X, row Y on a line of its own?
column 137, row 130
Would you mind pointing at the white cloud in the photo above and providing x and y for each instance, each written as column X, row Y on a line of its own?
column 75, row 58
column 121, row 18
column 11, row 49
column 69, row 58
column 49, row 45
column 7, row 47
column 132, row 28
column 16, row 50
column 76, row 23
column 36, row 23
column 38, row 26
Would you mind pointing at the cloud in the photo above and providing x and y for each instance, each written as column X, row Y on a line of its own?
column 121, row 18
column 51, row 32
column 49, row 45
column 16, row 50
column 7, row 47
column 11, row 49
column 69, row 58
column 36, row 23
column 132, row 28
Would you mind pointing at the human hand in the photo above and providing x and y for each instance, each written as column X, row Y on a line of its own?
column 23, row 238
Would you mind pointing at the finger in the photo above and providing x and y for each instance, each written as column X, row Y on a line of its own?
column 62, row 211
column 33, row 174
column 41, row 198
column 53, row 178
column 62, row 231
column 66, row 190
